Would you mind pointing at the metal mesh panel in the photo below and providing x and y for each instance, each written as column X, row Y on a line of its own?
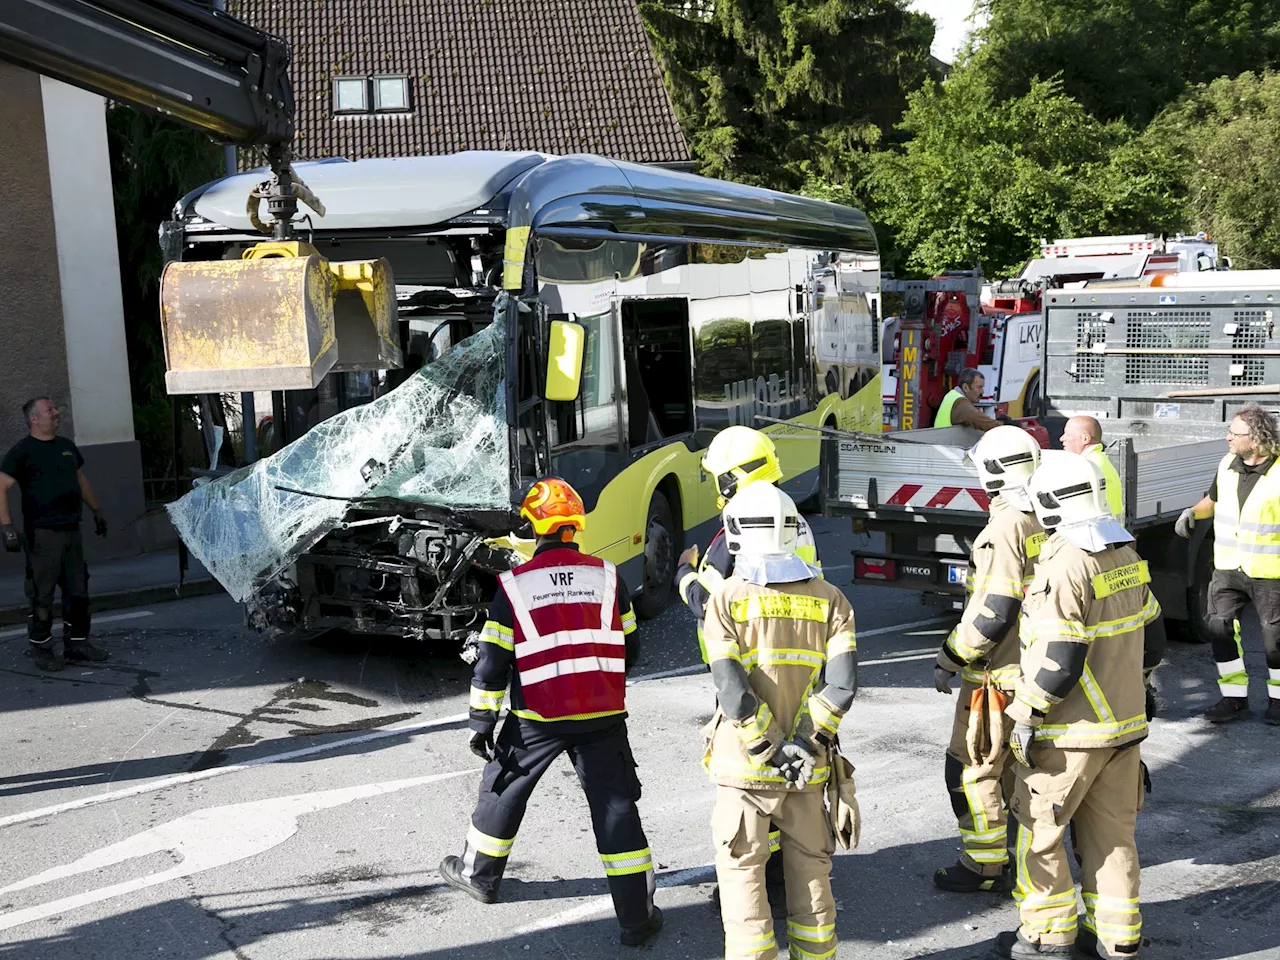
column 1171, row 330
column 1252, row 327
column 1091, row 331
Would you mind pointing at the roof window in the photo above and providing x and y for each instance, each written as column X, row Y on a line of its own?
column 350, row 95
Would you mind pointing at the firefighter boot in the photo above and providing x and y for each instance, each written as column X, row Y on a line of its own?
column 1272, row 716
column 1013, row 945
column 960, row 879
column 79, row 649
column 451, row 871
column 637, row 936
column 1088, row 945
column 1228, row 709
column 46, row 655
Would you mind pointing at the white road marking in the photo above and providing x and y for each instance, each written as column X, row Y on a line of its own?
column 111, row 618
column 932, row 621
column 919, row 656
column 205, row 839
column 598, row 906
column 182, row 778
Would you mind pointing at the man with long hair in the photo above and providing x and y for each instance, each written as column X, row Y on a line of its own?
column 1244, row 502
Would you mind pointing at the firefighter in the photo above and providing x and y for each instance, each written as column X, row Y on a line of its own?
column 736, row 458
column 561, row 630
column 785, row 666
column 1083, row 435
column 1092, row 633
column 1244, row 502
column 983, row 649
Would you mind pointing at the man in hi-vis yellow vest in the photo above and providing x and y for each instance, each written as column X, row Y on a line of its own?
column 1244, row 502
column 958, row 406
column 1083, row 435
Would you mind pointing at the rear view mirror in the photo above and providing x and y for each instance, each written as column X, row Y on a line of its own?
column 564, row 360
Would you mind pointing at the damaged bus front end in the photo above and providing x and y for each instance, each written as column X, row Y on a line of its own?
column 393, row 516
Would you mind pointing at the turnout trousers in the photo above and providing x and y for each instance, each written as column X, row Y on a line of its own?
column 1229, row 592
column 740, row 828
column 606, row 769
column 56, row 560
column 1102, row 791
column 980, row 790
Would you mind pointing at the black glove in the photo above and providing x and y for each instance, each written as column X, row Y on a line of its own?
column 1186, row 523
column 482, row 745
column 1024, row 734
column 99, row 524
column 12, row 544
column 1152, row 703
column 1005, row 419
column 942, row 680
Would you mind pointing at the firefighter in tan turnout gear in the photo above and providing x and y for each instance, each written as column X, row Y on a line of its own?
column 1091, row 635
column 784, row 662
column 983, row 649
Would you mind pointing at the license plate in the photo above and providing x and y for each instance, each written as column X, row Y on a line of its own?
column 957, row 572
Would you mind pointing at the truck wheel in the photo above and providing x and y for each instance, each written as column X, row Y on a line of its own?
column 1033, row 399
column 659, row 559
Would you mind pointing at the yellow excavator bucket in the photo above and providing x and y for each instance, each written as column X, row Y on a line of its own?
column 278, row 319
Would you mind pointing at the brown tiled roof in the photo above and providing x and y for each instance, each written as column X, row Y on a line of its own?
column 559, row 76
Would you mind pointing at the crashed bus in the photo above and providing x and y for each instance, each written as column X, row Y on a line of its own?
column 577, row 316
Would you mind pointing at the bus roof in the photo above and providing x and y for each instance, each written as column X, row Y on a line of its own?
column 558, row 194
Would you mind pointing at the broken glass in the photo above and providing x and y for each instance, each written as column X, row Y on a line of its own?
column 439, row 439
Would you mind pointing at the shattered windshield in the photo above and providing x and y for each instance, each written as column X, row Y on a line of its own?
column 439, row 439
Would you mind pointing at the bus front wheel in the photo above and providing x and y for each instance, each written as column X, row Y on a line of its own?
column 659, row 558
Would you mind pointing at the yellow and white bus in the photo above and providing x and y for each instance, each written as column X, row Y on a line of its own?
column 697, row 304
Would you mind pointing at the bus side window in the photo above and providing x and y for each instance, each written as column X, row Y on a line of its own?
column 591, row 421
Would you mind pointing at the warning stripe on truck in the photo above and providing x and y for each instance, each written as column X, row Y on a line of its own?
column 939, row 497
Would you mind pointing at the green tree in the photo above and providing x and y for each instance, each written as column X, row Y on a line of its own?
column 980, row 181
column 1122, row 59
column 1226, row 137
column 783, row 92
column 154, row 162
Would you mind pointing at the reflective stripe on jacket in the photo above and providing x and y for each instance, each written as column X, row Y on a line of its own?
column 568, row 640
column 1085, row 645
column 985, row 642
column 772, row 648
column 1115, row 492
column 1247, row 540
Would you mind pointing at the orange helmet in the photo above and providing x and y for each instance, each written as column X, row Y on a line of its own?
column 553, row 505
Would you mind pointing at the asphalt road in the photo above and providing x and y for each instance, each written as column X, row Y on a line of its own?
column 206, row 794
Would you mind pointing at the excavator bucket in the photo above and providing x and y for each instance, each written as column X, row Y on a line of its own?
column 234, row 325
column 279, row 319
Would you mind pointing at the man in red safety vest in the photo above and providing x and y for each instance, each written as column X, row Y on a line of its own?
column 561, row 631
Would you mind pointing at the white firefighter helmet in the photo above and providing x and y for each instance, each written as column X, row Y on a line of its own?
column 761, row 521
column 1006, row 457
column 1067, row 489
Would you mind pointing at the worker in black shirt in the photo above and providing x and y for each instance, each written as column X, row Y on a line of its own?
column 1244, row 502
column 48, row 470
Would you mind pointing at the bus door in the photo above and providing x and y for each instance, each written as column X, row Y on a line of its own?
column 659, row 370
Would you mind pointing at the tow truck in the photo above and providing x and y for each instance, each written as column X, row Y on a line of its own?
column 1163, row 361
column 997, row 329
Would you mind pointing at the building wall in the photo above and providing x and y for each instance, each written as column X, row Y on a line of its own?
column 62, row 322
